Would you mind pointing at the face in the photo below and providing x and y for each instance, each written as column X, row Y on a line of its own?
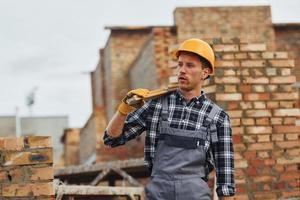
column 189, row 72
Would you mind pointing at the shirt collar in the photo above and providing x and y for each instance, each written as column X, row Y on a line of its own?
column 198, row 99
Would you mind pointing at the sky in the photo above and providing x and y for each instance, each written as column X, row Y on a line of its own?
column 51, row 46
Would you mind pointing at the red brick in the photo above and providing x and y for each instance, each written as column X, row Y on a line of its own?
column 228, row 56
column 228, row 79
column 272, row 104
column 241, row 55
column 253, row 63
column 292, row 136
column 260, row 80
column 237, row 130
column 285, row 96
column 231, row 89
column 286, row 112
column 258, row 113
column 263, row 154
column 29, row 189
column 227, row 63
column 255, row 56
column 237, row 139
column 225, row 48
column 270, row 162
column 249, row 138
column 290, row 194
column 256, row 96
column 277, row 137
column 27, row 157
column 271, row 55
column 290, row 176
column 248, row 121
column 276, row 120
column 246, row 105
column 282, row 79
column 288, row 144
column 235, row 113
column 240, row 164
column 282, row 63
column 285, row 71
column 235, row 122
column 249, row 155
column 259, row 129
column 251, row 171
column 289, row 120
column 258, row 88
column 253, row 47
column 262, row 121
column 261, row 146
column 239, row 147
column 264, row 195
column 38, row 141
column 231, row 105
column 228, row 97
column 11, row 143
column 293, row 152
column 229, row 72
column 287, row 104
column 259, row 105
column 245, row 88
column 42, row 173
column 264, row 179
column 263, row 138
column 286, row 129
column 287, row 161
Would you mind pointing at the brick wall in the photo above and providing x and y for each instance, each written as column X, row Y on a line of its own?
column 26, row 170
column 121, row 50
column 88, row 140
column 142, row 73
column 71, row 140
column 288, row 39
column 254, row 86
column 150, row 69
column 253, row 23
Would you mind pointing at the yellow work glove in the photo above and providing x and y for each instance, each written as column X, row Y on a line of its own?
column 124, row 108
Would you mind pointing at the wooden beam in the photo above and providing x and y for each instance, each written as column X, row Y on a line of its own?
column 81, row 169
column 126, row 176
column 100, row 176
column 81, row 190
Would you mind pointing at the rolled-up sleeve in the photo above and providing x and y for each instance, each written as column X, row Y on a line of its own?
column 134, row 125
column 224, row 159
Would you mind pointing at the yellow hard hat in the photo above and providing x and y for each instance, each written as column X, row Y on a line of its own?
column 200, row 48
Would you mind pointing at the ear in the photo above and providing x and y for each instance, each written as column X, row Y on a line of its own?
column 205, row 73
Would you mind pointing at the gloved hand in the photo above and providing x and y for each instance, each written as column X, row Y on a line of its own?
column 124, row 108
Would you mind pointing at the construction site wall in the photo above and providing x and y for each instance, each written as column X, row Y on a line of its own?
column 253, row 23
column 120, row 51
column 26, row 170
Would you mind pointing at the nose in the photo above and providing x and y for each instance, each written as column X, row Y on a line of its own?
column 181, row 70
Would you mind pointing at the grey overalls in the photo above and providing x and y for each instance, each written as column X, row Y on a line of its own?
column 180, row 161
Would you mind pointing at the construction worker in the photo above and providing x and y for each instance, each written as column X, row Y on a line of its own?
column 187, row 135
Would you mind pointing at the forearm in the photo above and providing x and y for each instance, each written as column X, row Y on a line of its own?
column 227, row 198
column 116, row 124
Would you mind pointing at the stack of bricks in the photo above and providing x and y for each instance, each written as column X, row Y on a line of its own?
column 26, row 170
column 254, row 86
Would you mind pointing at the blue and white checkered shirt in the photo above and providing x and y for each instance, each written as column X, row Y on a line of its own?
column 188, row 116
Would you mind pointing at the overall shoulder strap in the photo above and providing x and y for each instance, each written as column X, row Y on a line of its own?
column 212, row 126
column 164, row 112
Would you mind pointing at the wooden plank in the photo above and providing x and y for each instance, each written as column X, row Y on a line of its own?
column 82, row 190
column 126, row 176
column 81, row 169
column 100, row 177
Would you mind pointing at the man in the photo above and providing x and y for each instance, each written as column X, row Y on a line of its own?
column 186, row 133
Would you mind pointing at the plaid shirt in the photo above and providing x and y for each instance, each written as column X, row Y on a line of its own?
column 188, row 116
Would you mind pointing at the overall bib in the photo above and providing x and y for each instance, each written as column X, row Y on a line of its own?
column 179, row 164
